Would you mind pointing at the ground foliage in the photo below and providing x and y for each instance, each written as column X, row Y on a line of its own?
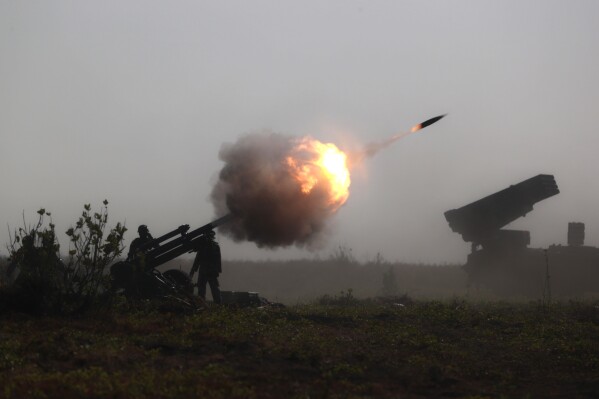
column 339, row 347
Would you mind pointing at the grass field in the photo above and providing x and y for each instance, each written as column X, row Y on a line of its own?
column 336, row 348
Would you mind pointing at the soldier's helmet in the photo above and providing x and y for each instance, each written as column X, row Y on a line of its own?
column 143, row 229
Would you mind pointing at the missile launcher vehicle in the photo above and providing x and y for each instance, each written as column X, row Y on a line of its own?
column 501, row 259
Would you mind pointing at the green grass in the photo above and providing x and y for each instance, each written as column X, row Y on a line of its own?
column 359, row 349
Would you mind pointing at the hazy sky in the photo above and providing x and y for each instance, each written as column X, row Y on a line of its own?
column 131, row 101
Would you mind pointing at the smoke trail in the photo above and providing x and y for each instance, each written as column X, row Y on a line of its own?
column 257, row 185
column 371, row 149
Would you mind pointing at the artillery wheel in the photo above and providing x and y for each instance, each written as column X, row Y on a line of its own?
column 121, row 275
column 127, row 280
column 181, row 280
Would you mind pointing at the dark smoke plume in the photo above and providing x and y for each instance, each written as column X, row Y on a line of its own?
column 256, row 185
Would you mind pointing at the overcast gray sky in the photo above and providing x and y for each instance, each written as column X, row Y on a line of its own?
column 131, row 101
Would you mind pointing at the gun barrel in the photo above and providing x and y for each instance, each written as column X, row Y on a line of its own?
column 187, row 242
column 219, row 222
column 156, row 241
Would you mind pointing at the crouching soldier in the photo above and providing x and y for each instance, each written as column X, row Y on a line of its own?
column 129, row 275
column 208, row 263
column 137, row 244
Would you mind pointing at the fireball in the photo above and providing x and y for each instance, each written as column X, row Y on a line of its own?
column 283, row 190
column 315, row 164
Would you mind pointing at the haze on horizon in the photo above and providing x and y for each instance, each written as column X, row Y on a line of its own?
column 131, row 101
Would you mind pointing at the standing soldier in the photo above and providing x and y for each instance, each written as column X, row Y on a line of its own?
column 208, row 261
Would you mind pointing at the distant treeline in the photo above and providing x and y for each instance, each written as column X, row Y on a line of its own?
column 304, row 280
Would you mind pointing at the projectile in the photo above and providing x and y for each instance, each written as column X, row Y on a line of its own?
column 431, row 121
column 427, row 122
column 371, row 149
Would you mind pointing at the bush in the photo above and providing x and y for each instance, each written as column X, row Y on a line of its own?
column 90, row 253
column 34, row 259
column 44, row 283
column 342, row 299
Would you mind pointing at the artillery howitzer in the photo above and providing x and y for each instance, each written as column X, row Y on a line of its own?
column 138, row 275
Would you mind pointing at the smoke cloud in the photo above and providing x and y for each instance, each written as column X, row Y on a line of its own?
column 258, row 187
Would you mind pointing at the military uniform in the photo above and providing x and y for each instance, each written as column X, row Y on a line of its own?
column 208, row 264
column 129, row 275
column 136, row 244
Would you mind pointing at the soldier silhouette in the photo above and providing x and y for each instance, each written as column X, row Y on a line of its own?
column 26, row 256
column 38, row 263
column 144, row 238
column 129, row 275
column 208, row 265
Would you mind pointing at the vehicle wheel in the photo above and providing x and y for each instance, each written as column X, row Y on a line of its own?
column 180, row 279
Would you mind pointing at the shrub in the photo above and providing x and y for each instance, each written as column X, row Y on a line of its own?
column 46, row 284
column 91, row 251
column 34, row 258
column 342, row 299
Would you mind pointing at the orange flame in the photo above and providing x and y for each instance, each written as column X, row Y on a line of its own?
column 416, row 128
column 319, row 164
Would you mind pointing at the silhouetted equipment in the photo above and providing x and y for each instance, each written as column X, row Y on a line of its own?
column 480, row 222
column 500, row 258
column 139, row 276
column 241, row 298
column 246, row 299
column 187, row 242
column 575, row 234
